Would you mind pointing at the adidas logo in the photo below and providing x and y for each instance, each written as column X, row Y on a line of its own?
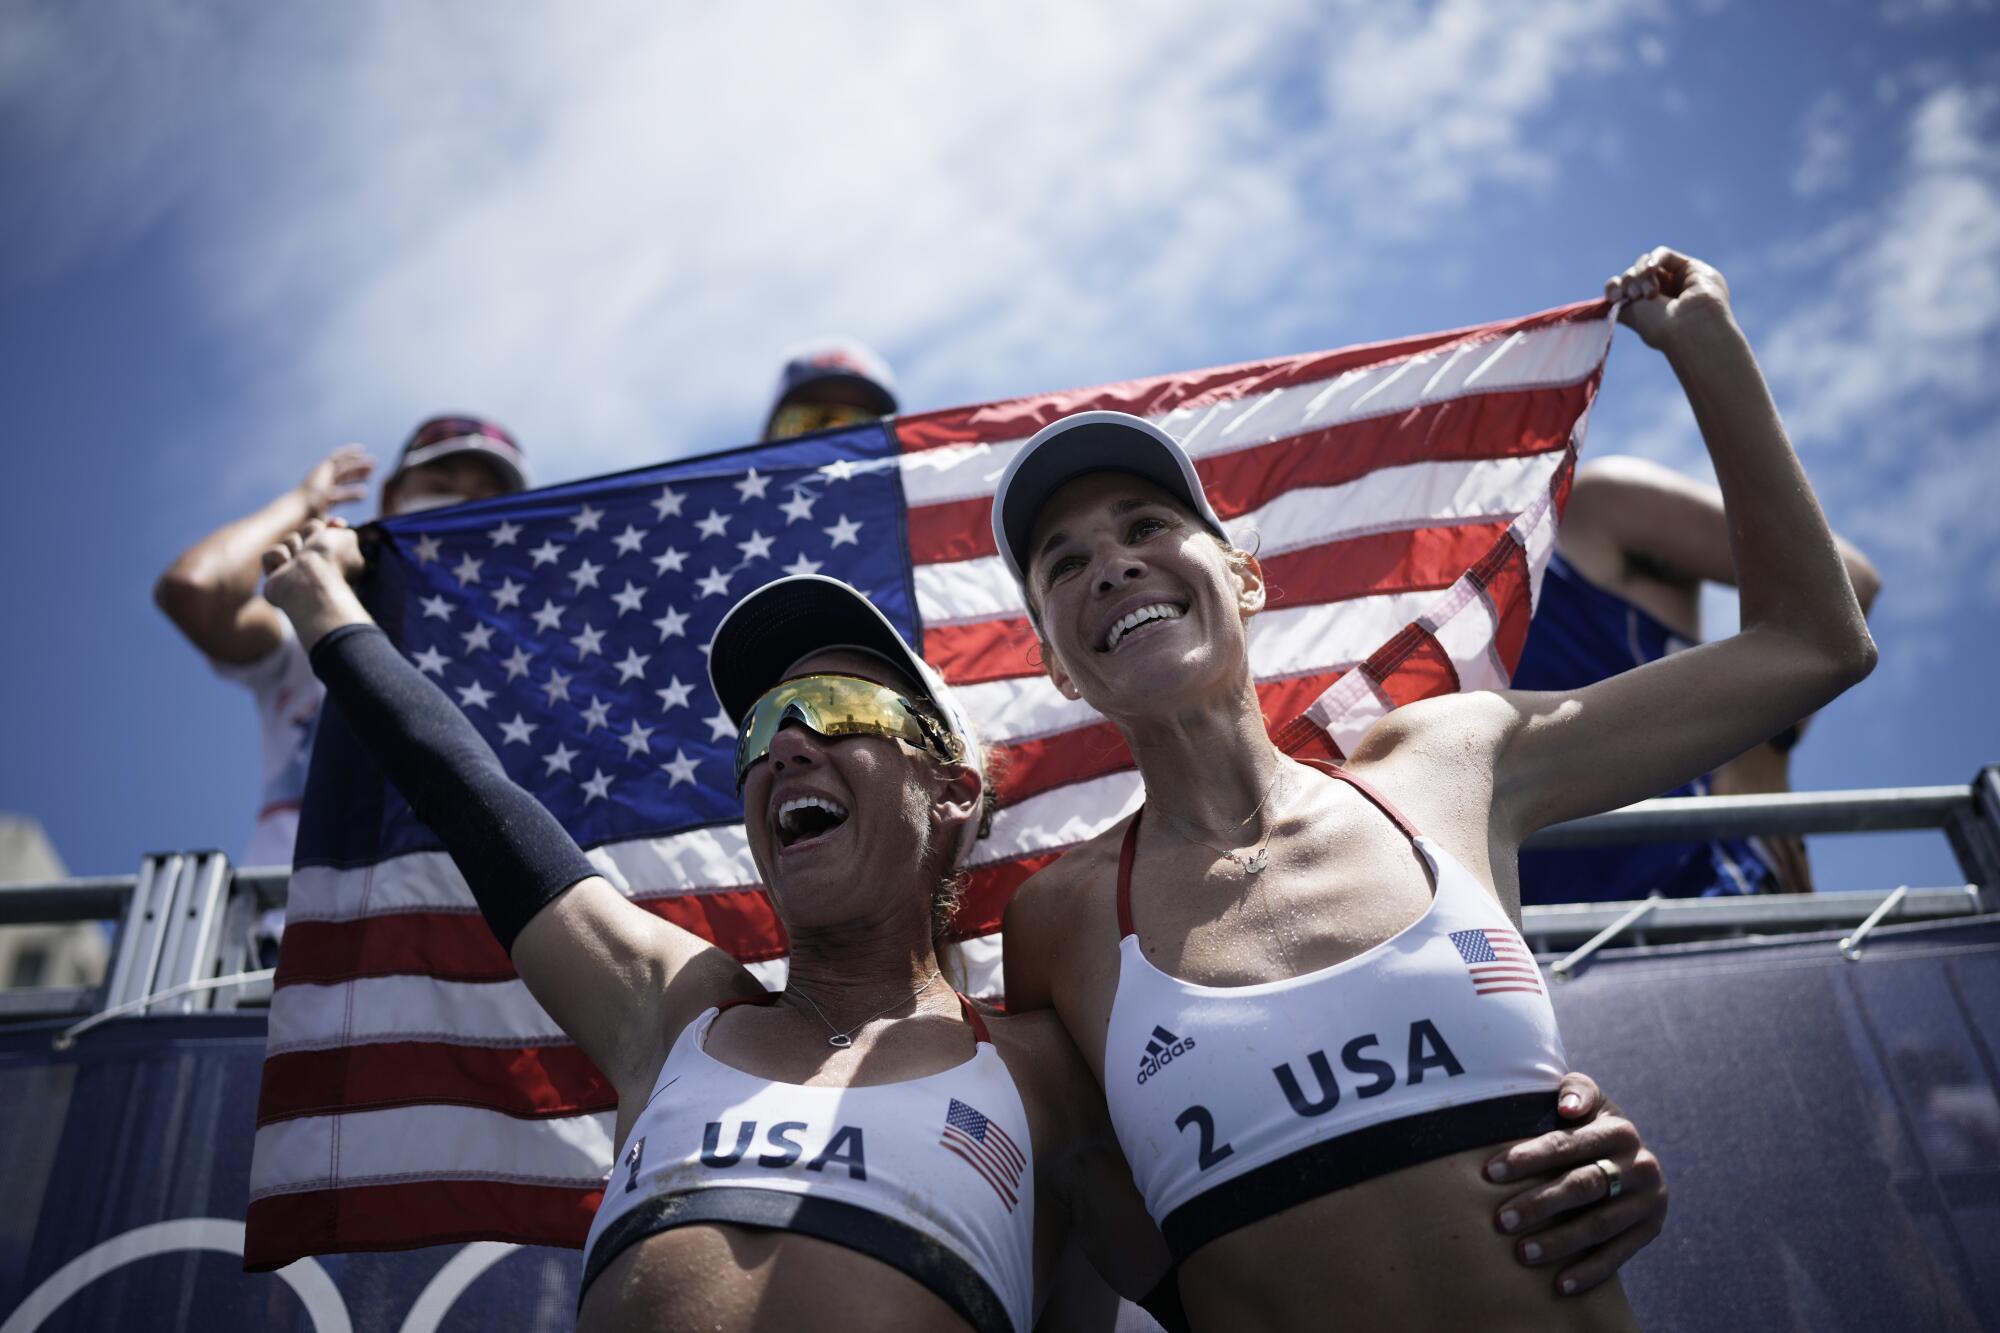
column 1161, row 1048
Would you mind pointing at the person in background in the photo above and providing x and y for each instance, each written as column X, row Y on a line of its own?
column 1624, row 588
column 827, row 384
column 211, row 594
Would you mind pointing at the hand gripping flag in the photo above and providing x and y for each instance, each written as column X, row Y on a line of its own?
column 1403, row 499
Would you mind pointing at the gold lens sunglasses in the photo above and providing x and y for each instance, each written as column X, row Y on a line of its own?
column 794, row 419
column 838, row 706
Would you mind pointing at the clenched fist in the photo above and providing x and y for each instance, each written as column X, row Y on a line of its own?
column 306, row 576
column 1669, row 296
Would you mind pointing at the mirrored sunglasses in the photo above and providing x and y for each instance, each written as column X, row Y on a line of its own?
column 834, row 707
column 805, row 418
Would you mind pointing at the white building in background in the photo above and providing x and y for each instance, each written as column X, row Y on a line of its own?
column 72, row 954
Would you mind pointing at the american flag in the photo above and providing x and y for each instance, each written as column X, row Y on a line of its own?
column 1403, row 499
column 1498, row 961
column 986, row 1148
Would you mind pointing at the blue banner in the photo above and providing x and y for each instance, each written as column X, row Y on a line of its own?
column 1831, row 1132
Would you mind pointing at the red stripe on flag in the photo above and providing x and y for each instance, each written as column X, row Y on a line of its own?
column 1412, row 666
column 950, row 530
column 1507, row 990
column 1284, row 699
column 1559, row 484
column 999, row 649
column 1029, row 768
column 1018, row 418
column 451, row 946
column 1508, row 588
column 530, row 1082
column 739, row 921
column 1413, row 560
column 1510, row 423
column 1303, row 738
column 987, row 892
column 1410, row 560
column 284, row 1227
column 449, row 949
column 455, row 946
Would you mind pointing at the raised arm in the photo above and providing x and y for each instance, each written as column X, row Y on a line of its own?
column 210, row 590
column 1629, row 514
column 619, row 980
column 1803, row 639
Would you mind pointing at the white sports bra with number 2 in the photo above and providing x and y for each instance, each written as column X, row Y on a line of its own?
column 1233, row 1103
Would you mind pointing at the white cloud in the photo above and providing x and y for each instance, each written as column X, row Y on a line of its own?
column 1913, row 307
column 603, row 231
column 1917, row 11
column 1826, row 162
column 1885, row 370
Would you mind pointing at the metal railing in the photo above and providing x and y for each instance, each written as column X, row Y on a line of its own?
column 187, row 918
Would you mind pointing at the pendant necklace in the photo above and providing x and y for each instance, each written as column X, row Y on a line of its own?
column 1253, row 861
column 843, row 1039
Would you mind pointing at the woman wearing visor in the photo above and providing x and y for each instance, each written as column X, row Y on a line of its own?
column 1327, row 1140
column 862, row 1150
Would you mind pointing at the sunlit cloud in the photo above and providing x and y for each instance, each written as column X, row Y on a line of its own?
column 603, row 232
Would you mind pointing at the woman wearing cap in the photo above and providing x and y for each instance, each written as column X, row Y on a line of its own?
column 862, row 1150
column 1324, row 1140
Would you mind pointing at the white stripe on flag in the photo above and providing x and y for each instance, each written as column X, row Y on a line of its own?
column 699, row 861
column 1061, row 818
column 1290, row 641
column 1466, row 635
column 408, row 1008
column 430, row 1142
column 1415, row 495
column 1546, row 357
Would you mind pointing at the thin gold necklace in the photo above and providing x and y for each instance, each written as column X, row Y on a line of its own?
column 840, row 1038
column 1253, row 861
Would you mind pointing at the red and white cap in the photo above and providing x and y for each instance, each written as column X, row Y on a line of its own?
column 442, row 436
column 838, row 360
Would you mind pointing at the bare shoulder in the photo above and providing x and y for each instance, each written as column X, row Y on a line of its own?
column 1037, row 1039
column 1462, row 728
column 1052, row 897
column 1055, row 1084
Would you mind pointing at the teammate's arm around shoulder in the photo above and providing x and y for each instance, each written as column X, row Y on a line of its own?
column 1803, row 639
column 619, row 980
column 1081, row 1175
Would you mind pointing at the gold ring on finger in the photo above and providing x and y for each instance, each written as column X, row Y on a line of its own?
column 1614, row 1178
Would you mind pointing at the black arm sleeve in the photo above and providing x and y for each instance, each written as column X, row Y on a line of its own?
column 514, row 855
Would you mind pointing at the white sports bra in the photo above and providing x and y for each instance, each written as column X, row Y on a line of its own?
column 933, row 1176
column 1233, row 1103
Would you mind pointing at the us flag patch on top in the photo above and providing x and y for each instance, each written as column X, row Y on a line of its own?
column 1497, row 961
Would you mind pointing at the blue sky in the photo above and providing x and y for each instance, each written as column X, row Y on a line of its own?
column 234, row 236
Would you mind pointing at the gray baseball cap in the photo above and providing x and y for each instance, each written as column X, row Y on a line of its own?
column 1076, row 445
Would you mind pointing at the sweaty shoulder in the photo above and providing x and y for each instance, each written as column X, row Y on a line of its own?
column 1053, row 1081
column 1050, row 894
column 1053, row 910
column 1468, row 727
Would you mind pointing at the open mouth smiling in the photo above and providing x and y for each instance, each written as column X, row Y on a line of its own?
column 1135, row 620
column 802, row 819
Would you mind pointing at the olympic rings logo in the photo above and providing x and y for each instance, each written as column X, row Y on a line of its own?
column 308, row 1281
